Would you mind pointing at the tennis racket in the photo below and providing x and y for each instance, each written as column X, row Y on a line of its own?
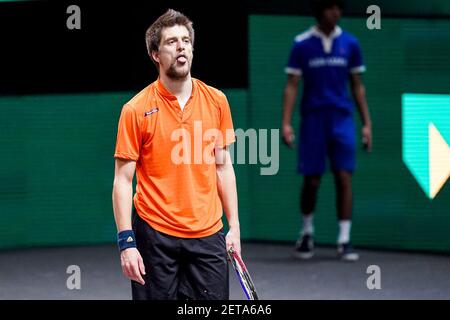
column 243, row 275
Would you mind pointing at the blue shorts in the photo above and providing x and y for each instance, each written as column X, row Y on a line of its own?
column 326, row 133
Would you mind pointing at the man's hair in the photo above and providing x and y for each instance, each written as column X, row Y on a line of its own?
column 169, row 19
column 319, row 6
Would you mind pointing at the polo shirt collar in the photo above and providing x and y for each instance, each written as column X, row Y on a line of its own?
column 335, row 33
column 162, row 90
column 327, row 41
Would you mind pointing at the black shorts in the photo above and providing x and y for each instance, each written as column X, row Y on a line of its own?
column 180, row 268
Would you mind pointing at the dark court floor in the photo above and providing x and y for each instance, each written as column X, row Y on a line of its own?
column 41, row 274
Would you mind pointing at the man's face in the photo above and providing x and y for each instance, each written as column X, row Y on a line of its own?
column 175, row 52
column 331, row 16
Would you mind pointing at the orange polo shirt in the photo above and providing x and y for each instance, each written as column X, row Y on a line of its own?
column 176, row 189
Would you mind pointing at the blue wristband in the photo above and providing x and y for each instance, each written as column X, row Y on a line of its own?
column 126, row 239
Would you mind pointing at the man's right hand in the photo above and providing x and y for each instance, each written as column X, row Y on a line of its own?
column 288, row 135
column 132, row 265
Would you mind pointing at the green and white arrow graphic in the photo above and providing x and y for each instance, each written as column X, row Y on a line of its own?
column 426, row 137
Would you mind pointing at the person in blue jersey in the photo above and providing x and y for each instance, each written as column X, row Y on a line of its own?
column 326, row 58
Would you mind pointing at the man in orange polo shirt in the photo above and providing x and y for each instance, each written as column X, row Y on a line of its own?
column 174, row 134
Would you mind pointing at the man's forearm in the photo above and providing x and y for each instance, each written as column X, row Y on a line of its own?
column 289, row 96
column 122, row 204
column 359, row 93
column 226, row 185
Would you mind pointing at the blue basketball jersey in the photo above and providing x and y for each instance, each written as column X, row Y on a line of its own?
column 325, row 64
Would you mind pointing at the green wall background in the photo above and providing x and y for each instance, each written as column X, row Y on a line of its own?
column 57, row 150
column 57, row 168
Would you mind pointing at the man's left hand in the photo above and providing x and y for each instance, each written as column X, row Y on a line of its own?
column 233, row 239
column 366, row 132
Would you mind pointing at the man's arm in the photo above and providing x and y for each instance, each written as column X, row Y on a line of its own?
column 289, row 96
column 131, row 260
column 123, row 193
column 226, row 186
column 359, row 94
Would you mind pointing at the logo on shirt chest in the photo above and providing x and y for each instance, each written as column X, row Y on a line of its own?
column 152, row 111
column 334, row 61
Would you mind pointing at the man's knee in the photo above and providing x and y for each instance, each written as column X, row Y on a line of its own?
column 312, row 182
column 343, row 179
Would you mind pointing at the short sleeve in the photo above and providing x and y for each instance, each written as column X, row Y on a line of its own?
column 356, row 64
column 294, row 63
column 226, row 128
column 128, row 141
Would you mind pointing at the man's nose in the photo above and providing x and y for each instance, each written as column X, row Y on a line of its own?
column 181, row 45
column 337, row 13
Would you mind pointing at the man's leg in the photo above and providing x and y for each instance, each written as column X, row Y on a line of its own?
column 308, row 199
column 343, row 161
column 204, row 268
column 343, row 182
column 311, row 163
column 344, row 204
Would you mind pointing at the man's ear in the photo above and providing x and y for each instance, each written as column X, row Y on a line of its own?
column 155, row 56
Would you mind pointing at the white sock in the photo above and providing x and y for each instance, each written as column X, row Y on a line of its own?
column 344, row 231
column 307, row 227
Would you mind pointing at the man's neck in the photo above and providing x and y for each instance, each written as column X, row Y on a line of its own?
column 179, row 88
column 326, row 29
